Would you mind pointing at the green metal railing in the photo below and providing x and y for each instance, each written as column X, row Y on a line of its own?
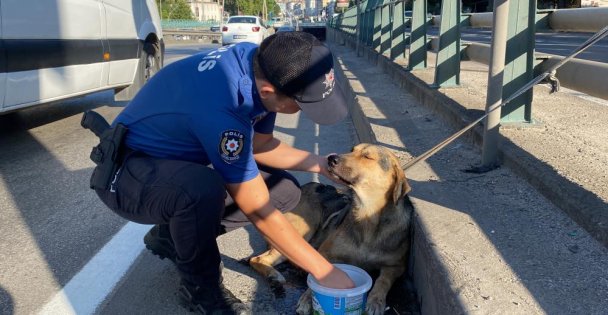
column 384, row 26
column 186, row 24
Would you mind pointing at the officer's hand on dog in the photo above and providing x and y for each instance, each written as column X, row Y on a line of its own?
column 324, row 163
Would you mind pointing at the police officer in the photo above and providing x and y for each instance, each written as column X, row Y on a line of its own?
column 202, row 127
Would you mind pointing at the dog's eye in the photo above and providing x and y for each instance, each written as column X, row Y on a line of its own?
column 368, row 156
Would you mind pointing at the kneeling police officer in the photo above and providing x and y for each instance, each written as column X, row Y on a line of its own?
column 202, row 127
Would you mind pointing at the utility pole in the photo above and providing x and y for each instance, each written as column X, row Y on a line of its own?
column 264, row 11
column 222, row 14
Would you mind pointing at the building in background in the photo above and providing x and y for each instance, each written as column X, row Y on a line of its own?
column 594, row 3
column 331, row 8
column 206, row 10
column 310, row 8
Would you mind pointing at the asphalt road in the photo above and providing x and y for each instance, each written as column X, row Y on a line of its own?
column 58, row 248
column 555, row 43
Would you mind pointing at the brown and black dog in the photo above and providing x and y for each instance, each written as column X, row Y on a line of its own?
column 366, row 226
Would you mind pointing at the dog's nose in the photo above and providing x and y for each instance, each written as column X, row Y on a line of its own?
column 333, row 159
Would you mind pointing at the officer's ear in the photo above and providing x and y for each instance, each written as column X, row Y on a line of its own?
column 266, row 90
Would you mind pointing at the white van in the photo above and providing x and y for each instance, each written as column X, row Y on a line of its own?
column 51, row 50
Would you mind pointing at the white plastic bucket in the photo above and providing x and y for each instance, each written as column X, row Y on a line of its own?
column 341, row 301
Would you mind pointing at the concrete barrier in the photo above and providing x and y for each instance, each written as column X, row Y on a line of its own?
column 562, row 20
column 579, row 20
column 578, row 74
column 482, row 20
column 581, row 75
column 198, row 36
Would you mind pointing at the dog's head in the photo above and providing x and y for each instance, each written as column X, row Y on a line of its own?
column 371, row 170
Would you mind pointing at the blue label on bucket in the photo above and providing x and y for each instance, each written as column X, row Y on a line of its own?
column 326, row 305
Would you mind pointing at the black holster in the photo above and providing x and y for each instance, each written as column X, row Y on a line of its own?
column 108, row 153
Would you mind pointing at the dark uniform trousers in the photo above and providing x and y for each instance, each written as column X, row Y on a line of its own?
column 192, row 199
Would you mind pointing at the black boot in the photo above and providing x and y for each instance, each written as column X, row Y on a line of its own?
column 158, row 241
column 216, row 300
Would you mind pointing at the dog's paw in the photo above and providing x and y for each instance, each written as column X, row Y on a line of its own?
column 375, row 306
column 276, row 277
column 276, row 281
column 305, row 303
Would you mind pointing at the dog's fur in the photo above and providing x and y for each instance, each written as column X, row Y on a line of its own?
column 366, row 226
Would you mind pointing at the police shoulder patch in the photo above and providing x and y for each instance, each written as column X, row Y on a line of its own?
column 231, row 145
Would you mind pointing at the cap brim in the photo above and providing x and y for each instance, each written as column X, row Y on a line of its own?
column 328, row 111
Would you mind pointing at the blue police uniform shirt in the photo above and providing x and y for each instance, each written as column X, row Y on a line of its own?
column 203, row 109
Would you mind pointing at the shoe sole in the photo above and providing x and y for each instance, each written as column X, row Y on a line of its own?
column 158, row 249
column 186, row 301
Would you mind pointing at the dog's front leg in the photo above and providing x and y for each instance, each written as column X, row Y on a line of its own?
column 305, row 303
column 376, row 300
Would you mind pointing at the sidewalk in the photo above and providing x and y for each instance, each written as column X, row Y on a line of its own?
column 505, row 241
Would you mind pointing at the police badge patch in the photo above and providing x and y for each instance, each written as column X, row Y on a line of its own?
column 231, row 145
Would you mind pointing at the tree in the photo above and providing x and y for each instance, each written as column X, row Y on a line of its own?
column 174, row 10
column 250, row 7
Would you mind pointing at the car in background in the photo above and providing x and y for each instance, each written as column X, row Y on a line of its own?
column 286, row 28
column 244, row 28
column 277, row 22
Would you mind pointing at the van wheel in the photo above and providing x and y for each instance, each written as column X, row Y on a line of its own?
column 150, row 62
column 151, row 59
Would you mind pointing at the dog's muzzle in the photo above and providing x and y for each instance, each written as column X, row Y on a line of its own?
column 332, row 160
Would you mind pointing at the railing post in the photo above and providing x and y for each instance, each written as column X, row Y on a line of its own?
column 370, row 14
column 500, row 22
column 385, row 37
column 365, row 23
column 398, row 40
column 447, row 70
column 417, row 58
column 358, row 27
column 519, row 60
column 376, row 40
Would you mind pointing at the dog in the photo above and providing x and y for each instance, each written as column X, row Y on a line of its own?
column 366, row 225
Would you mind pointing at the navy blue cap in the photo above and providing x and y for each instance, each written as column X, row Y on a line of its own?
column 302, row 67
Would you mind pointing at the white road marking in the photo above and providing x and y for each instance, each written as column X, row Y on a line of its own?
column 89, row 287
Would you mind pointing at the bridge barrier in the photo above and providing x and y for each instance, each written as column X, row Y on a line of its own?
column 201, row 36
column 172, row 24
column 578, row 74
column 562, row 20
column 386, row 34
column 384, row 30
column 579, row 20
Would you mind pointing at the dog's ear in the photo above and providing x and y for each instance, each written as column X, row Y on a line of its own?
column 402, row 187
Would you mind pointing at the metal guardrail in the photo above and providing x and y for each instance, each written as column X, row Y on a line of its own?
column 186, row 24
column 383, row 29
column 562, row 20
column 192, row 35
